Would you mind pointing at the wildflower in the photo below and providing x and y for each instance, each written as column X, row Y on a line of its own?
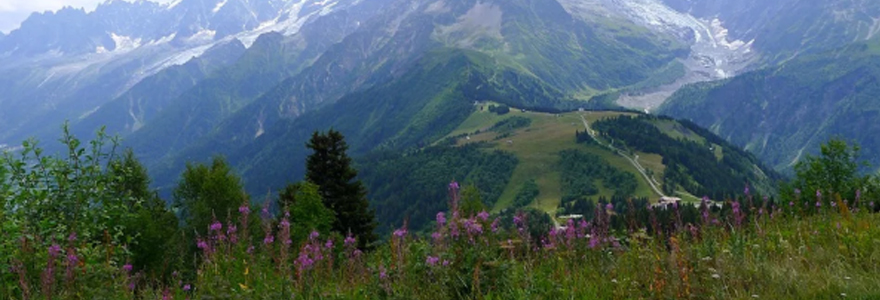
column 383, row 274
column 495, row 224
column 201, row 244
column 436, row 236
column 269, row 239
column 746, row 190
column 72, row 237
column 818, row 204
column 349, row 241
column 285, row 223
column 833, row 204
column 314, row 235
column 432, row 260
column 791, row 203
column 472, row 227
column 329, row 244
column 187, row 288
column 483, row 215
column 843, row 294
column 401, row 232
column 445, row 262
column 755, row 296
column 818, row 194
column 264, row 213
column 244, row 209
column 609, row 207
column 127, row 268
column 716, row 276
column 441, row 219
column 216, row 226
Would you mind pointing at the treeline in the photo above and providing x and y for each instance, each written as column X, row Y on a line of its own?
column 98, row 206
column 410, row 187
column 582, row 171
column 690, row 165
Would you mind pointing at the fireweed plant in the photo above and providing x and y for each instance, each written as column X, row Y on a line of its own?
column 60, row 242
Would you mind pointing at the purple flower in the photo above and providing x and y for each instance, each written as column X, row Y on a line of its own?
column 441, row 219
column 285, row 223
column 401, row 232
column 432, row 260
column 872, row 204
column 127, row 268
column 72, row 259
column 382, row 273
column 216, row 226
column 201, row 244
column 818, row 204
column 791, row 203
column 269, row 239
column 187, row 288
column 445, row 262
column 747, row 190
column 329, row 244
column 54, row 250
column 349, row 240
column 473, row 227
column 314, row 235
column 495, row 224
column 483, row 215
column 244, row 209
column 436, row 236
column 818, row 194
column 609, row 207
column 833, row 204
column 72, row 237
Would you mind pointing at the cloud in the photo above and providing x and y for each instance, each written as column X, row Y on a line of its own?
column 13, row 12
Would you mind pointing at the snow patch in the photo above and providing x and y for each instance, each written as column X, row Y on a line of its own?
column 124, row 43
column 172, row 4
column 219, row 6
column 203, row 36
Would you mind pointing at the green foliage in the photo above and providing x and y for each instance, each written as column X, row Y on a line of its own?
column 413, row 186
column 329, row 167
column 206, row 193
column 307, row 211
column 511, row 124
column 152, row 228
column 835, row 171
column 689, row 164
column 500, row 110
column 785, row 112
column 471, row 201
column 527, row 194
column 581, row 171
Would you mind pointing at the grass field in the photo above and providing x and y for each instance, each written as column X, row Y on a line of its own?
column 537, row 148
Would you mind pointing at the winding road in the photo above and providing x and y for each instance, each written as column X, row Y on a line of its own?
column 632, row 161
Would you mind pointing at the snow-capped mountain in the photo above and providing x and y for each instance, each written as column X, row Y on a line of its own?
column 66, row 64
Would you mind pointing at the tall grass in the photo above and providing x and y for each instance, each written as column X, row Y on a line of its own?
column 799, row 251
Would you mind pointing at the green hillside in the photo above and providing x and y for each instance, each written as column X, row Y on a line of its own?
column 784, row 113
column 547, row 161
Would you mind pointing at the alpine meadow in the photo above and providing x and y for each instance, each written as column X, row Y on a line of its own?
column 440, row 149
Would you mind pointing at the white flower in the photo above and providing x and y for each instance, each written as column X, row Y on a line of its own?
column 614, row 280
column 843, row 294
column 716, row 276
column 754, row 296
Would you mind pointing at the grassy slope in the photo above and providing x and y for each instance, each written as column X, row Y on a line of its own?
column 537, row 149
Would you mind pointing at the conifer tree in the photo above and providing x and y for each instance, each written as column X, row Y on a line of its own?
column 329, row 167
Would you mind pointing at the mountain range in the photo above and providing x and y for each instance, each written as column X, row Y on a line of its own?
column 251, row 80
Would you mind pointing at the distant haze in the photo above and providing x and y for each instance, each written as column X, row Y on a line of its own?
column 13, row 12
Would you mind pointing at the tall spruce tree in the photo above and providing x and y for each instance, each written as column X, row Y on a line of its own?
column 329, row 167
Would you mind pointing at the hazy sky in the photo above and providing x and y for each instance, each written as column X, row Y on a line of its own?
column 13, row 12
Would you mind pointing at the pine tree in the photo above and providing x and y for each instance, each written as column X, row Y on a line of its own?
column 329, row 167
